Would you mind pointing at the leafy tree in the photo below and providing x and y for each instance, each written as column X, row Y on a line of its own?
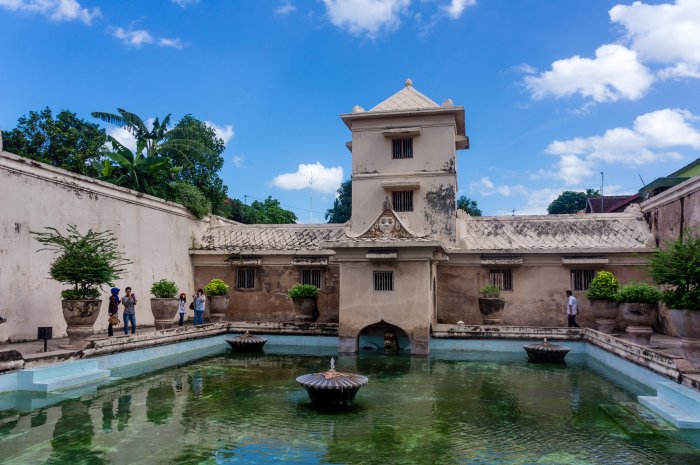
column 469, row 206
column 65, row 141
column 268, row 212
column 342, row 206
column 235, row 210
column 570, row 202
column 677, row 266
column 192, row 198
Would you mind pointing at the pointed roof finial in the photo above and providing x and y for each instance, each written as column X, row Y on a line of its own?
column 408, row 83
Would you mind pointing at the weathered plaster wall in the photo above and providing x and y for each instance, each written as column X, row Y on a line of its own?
column 674, row 210
column 153, row 233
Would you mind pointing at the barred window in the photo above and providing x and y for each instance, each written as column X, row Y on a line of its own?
column 402, row 201
column 502, row 279
column 311, row 276
column 581, row 279
column 383, row 280
column 401, row 148
column 245, row 278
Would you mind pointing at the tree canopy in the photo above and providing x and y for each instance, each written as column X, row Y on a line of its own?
column 64, row 141
column 468, row 205
column 570, row 202
column 268, row 211
column 342, row 206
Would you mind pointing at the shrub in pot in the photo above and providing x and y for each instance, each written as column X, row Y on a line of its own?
column 491, row 305
column 304, row 297
column 164, row 303
column 601, row 293
column 86, row 262
column 677, row 267
column 217, row 292
column 639, row 305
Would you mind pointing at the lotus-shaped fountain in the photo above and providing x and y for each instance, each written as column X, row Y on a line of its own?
column 546, row 352
column 247, row 343
column 332, row 388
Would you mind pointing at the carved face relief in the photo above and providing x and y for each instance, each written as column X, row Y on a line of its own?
column 386, row 224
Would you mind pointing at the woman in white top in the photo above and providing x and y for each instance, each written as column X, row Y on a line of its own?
column 181, row 308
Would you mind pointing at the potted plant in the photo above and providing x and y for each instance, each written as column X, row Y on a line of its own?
column 164, row 304
column 601, row 293
column 639, row 305
column 217, row 292
column 304, row 298
column 86, row 262
column 491, row 305
column 677, row 267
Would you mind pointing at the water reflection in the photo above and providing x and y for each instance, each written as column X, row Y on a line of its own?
column 72, row 436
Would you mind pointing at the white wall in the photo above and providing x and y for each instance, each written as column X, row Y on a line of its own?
column 156, row 235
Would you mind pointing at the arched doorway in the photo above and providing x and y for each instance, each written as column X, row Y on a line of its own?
column 379, row 336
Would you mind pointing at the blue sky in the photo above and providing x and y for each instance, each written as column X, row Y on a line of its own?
column 554, row 91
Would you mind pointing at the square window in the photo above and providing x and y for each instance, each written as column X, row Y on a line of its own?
column 402, row 201
column 311, row 276
column 401, row 148
column 245, row 278
column 502, row 279
column 581, row 279
column 383, row 280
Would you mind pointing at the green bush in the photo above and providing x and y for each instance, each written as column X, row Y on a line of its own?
column 72, row 294
column 677, row 266
column 164, row 289
column 641, row 293
column 216, row 287
column 301, row 291
column 603, row 287
column 490, row 291
column 192, row 198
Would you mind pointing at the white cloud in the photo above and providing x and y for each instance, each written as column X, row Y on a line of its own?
column 133, row 38
column 185, row 3
column 614, row 74
column 238, row 160
column 285, row 8
column 486, row 187
column 174, row 43
column 366, row 16
column 56, row 10
column 312, row 175
column 456, row 7
column 222, row 132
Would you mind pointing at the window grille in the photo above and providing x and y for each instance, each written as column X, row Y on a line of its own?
column 383, row 280
column 245, row 278
column 311, row 276
column 581, row 279
column 402, row 201
column 502, row 279
column 401, row 148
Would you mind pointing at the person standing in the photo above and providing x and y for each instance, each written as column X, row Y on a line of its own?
column 571, row 309
column 129, row 302
column 198, row 307
column 113, row 310
column 181, row 308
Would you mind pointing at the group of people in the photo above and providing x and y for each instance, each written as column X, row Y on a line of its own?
column 129, row 302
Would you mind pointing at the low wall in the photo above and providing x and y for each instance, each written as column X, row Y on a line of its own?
column 673, row 210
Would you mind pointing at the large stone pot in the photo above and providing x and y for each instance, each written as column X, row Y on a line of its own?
column 639, row 318
column 491, row 309
column 605, row 313
column 80, row 316
column 164, row 311
column 217, row 307
column 304, row 309
column 687, row 325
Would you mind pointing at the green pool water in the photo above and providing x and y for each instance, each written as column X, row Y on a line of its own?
column 469, row 408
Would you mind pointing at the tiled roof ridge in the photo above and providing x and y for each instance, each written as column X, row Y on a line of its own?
column 568, row 217
column 407, row 98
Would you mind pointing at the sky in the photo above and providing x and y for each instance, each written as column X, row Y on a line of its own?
column 555, row 92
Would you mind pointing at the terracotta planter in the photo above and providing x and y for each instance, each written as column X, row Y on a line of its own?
column 164, row 311
column 687, row 325
column 217, row 307
column 605, row 312
column 639, row 318
column 80, row 316
column 491, row 309
column 304, row 309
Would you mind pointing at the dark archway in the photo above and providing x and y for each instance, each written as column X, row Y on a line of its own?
column 374, row 336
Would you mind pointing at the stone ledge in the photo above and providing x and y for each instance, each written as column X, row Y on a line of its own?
column 505, row 332
column 284, row 328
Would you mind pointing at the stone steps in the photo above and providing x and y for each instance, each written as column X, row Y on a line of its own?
column 61, row 376
column 675, row 403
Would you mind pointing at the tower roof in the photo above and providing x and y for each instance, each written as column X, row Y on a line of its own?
column 407, row 98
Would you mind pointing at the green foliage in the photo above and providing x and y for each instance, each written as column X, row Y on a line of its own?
column 72, row 294
column 570, row 202
column 216, row 287
column 342, row 206
column 641, row 293
column 265, row 212
column 677, row 265
column 490, row 291
column 301, row 291
column 85, row 261
column 469, row 206
column 603, row 286
column 192, row 198
column 65, row 141
column 164, row 289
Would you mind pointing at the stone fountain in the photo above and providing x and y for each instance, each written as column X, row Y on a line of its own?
column 546, row 352
column 247, row 343
column 332, row 388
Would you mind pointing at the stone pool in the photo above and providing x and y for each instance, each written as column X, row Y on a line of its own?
column 451, row 407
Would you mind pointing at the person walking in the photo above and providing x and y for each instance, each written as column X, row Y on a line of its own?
column 198, row 307
column 181, row 308
column 113, row 310
column 129, row 302
column 571, row 309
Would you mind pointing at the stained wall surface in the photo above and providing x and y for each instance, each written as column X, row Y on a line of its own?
column 674, row 210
